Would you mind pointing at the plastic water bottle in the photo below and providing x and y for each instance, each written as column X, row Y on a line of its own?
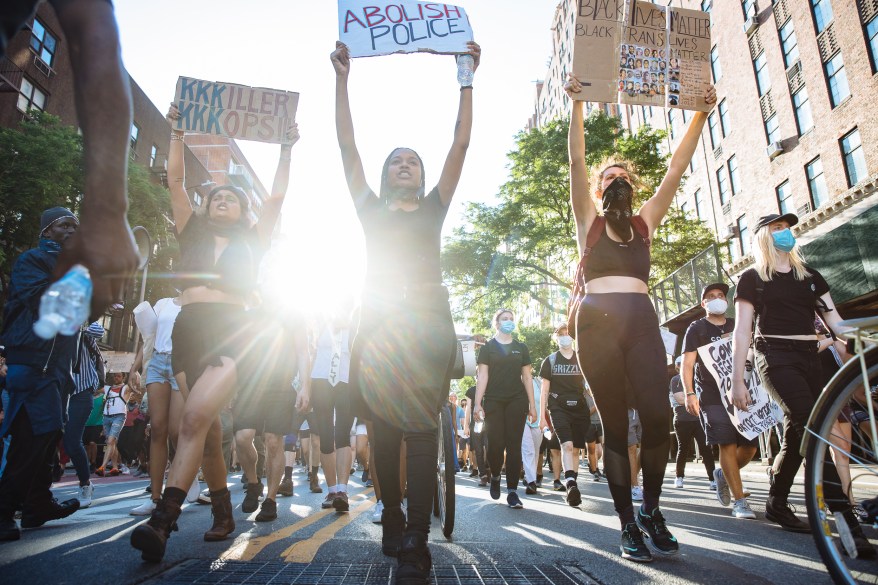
column 65, row 305
column 465, row 65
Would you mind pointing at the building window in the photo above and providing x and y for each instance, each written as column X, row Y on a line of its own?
column 723, row 117
column 135, row 131
column 789, row 44
column 802, row 106
column 715, row 67
column 822, row 10
column 706, row 5
column 839, row 90
column 43, row 42
column 744, row 235
column 817, row 183
column 734, row 177
column 772, row 129
column 700, row 210
column 785, row 198
column 685, row 208
column 722, row 179
column 854, row 158
column 29, row 97
column 763, row 81
column 153, row 153
column 872, row 36
column 686, row 116
column 713, row 126
column 749, row 7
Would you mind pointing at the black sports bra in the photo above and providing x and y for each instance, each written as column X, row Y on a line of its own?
column 234, row 272
column 611, row 258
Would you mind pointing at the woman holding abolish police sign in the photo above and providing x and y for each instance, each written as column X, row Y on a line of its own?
column 405, row 344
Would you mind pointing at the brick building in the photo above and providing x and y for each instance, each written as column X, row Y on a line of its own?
column 792, row 132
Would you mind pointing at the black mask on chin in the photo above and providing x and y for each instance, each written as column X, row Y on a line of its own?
column 616, row 202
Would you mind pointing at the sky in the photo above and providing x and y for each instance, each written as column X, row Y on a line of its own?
column 397, row 100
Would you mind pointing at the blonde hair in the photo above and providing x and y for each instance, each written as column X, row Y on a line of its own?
column 767, row 257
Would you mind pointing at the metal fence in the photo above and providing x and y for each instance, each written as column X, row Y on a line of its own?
column 681, row 291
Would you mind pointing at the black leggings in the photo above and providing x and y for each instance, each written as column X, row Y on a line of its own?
column 504, row 426
column 325, row 399
column 619, row 344
column 687, row 430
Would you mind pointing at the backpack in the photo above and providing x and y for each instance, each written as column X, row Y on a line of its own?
column 594, row 234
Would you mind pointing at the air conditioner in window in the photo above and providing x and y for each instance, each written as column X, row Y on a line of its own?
column 774, row 149
column 727, row 208
column 43, row 67
column 729, row 232
column 750, row 25
column 804, row 209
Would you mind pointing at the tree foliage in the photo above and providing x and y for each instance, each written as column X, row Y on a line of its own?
column 524, row 247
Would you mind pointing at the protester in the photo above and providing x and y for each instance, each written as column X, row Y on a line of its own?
column 617, row 325
column 594, row 438
column 403, row 379
column 116, row 396
column 506, row 385
column 220, row 254
column 782, row 293
column 687, row 427
column 37, row 378
column 531, row 441
column 478, row 439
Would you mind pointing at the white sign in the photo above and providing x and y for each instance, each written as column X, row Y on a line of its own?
column 371, row 28
column 760, row 417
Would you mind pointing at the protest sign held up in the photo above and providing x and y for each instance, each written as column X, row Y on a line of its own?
column 643, row 59
column 371, row 28
column 690, row 55
column 596, row 48
column 235, row 111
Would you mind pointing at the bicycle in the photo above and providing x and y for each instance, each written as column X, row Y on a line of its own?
column 443, row 500
column 848, row 397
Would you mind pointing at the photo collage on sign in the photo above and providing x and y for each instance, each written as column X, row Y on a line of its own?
column 674, row 80
column 644, row 71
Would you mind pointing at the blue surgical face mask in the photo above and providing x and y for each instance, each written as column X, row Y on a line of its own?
column 784, row 240
column 507, row 326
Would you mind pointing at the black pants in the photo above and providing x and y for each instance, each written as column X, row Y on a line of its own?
column 27, row 479
column 327, row 399
column 619, row 343
column 791, row 373
column 477, row 444
column 687, row 431
column 504, row 425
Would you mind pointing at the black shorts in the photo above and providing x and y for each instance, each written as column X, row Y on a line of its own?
column 719, row 430
column 205, row 332
column 595, row 433
column 550, row 444
column 571, row 425
column 92, row 434
column 269, row 412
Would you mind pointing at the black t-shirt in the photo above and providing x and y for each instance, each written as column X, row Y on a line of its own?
column 402, row 247
column 504, row 363
column 788, row 305
column 680, row 412
column 566, row 381
column 700, row 333
column 236, row 269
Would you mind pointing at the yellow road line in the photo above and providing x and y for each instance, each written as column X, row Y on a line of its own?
column 305, row 550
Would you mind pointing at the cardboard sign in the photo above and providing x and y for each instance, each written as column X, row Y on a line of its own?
column 760, row 417
column 118, row 361
column 689, row 74
column 371, row 28
column 596, row 48
column 643, row 59
column 234, row 111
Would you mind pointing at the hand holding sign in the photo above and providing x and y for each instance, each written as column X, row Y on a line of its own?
column 291, row 137
column 573, row 86
column 740, row 395
column 341, row 59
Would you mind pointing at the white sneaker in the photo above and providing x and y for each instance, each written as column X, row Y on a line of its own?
column 713, row 486
column 144, row 509
column 741, row 509
column 124, row 469
column 376, row 513
column 722, row 487
column 636, row 494
column 194, row 492
column 678, row 483
column 86, row 493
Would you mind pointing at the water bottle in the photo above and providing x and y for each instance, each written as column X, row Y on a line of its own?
column 547, row 434
column 65, row 305
column 465, row 65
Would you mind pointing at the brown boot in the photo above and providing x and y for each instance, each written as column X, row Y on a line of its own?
column 223, row 521
column 315, row 483
column 152, row 537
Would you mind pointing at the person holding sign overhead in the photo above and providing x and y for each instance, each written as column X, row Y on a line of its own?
column 616, row 324
column 405, row 343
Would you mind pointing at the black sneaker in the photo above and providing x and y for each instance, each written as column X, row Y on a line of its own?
column 9, row 530
column 782, row 513
column 268, row 511
column 558, row 486
column 658, row 536
column 513, row 501
column 633, row 548
column 474, row 472
column 392, row 527
column 495, row 488
column 251, row 497
column 574, row 498
column 52, row 511
column 415, row 561
column 531, row 489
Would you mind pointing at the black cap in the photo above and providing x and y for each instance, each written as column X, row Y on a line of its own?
column 55, row 214
column 715, row 286
column 790, row 218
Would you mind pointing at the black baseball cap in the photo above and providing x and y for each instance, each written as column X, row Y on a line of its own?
column 790, row 218
column 715, row 286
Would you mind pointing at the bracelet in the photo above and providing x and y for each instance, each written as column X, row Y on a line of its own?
column 463, row 87
column 691, row 394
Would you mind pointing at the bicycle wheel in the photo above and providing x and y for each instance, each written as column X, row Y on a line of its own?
column 445, row 473
column 823, row 439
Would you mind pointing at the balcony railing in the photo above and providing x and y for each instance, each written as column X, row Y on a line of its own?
column 10, row 76
column 681, row 291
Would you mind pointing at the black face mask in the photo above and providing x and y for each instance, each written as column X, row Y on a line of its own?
column 616, row 202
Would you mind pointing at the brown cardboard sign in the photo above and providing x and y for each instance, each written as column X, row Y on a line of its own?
column 643, row 62
column 690, row 59
column 596, row 48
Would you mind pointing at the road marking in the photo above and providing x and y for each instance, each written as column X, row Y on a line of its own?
column 304, row 551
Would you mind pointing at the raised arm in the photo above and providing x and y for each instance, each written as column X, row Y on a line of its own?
column 462, row 131
column 584, row 211
column 274, row 203
column 654, row 210
column 344, row 127
column 181, row 208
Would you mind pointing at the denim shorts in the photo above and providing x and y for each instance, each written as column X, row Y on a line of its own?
column 113, row 425
column 159, row 370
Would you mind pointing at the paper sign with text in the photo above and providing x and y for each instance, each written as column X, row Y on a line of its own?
column 690, row 59
column 596, row 48
column 760, row 417
column 371, row 28
column 235, row 111
column 643, row 58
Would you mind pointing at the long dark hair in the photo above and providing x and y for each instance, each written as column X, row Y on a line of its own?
column 384, row 193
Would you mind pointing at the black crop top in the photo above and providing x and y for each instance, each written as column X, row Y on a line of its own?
column 611, row 258
column 236, row 270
